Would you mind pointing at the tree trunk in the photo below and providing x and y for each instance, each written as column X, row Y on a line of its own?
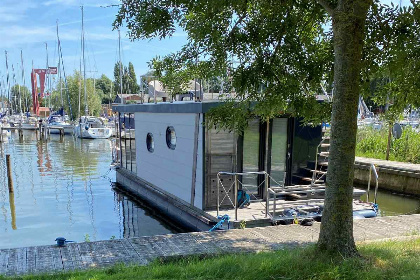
column 388, row 145
column 336, row 234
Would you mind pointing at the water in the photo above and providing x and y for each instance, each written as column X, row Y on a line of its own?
column 65, row 188
column 391, row 204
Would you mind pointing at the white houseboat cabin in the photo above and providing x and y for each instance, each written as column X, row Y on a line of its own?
column 168, row 157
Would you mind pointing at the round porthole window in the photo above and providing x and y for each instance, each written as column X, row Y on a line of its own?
column 150, row 143
column 171, row 138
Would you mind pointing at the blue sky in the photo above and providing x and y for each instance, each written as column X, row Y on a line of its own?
column 27, row 24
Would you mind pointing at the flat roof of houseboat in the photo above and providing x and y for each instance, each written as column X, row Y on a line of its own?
column 167, row 107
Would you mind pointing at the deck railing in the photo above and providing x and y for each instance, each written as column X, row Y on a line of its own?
column 238, row 184
column 235, row 185
column 372, row 169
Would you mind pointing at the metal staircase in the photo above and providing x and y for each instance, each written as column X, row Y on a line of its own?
column 315, row 172
column 319, row 174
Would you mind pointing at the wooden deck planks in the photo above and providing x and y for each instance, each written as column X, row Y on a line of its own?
column 143, row 250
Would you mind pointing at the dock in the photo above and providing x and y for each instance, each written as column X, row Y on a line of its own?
column 395, row 176
column 144, row 250
column 45, row 131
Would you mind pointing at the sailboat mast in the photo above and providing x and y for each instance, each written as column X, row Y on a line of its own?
column 14, row 91
column 61, row 84
column 1, row 94
column 110, row 96
column 59, row 69
column 20, row 93
column 47, row 76
column 84, row 64
column 23, row 80
column 119, row 52
column 80, row 83
column 8, row 83
column 63, row 73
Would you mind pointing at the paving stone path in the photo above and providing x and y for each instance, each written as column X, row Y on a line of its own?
column 143, row 250
column 389, row 164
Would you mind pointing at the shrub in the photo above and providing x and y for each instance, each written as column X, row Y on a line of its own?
column 372, row 143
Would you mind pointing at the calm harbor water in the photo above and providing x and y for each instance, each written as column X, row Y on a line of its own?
column 65, row 188
column 391, row 204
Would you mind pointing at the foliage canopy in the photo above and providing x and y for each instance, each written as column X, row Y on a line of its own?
column 274, row 52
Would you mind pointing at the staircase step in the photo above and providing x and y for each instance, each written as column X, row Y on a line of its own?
column 324, row 154
column 312, row 170
column 307, row 179
column 325, row 145
column 323, row 163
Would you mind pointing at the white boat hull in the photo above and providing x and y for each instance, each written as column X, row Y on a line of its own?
column 92, row 133
column 5, row 132
column 54, row 129
column 27, row 126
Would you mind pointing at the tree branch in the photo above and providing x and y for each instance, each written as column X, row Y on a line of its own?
column 327, row 6
column 239, row 21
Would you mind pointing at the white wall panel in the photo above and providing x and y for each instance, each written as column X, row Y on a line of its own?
column 170, row 170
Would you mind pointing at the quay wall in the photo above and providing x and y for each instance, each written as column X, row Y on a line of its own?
column 393, row 176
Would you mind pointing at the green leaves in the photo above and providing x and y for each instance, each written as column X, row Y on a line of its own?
column 392, row 57
column 273, row 52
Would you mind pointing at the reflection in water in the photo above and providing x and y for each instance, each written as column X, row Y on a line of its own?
column 12, row 209
column 391, row 204
column 65, row 189
column 141, row 220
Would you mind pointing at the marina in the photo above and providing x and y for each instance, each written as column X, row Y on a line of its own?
column 71, row 178
column 64, row 187
column 236, row 133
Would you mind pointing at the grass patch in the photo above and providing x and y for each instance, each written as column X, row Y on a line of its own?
column 372, row 143
column 381, row 260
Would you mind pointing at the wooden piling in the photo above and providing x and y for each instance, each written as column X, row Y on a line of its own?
column 9, row 173
column 40, row 130
column 12, row 209
column 20, row 131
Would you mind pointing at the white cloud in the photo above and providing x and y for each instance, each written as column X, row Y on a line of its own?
column 86, row 3
column 14, row 11
column 17, row 35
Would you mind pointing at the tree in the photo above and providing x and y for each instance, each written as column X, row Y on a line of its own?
column 74, row 82
column 118, row 71
column 396, row 57
column 104, row 84
column 129, row 80
column 134, row 87
column 284, row 47
column 21, row 98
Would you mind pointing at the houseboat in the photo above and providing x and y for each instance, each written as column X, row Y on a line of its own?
column 272, row 173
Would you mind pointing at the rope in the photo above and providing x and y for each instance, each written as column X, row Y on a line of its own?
column 65, row 77
column 220, row 223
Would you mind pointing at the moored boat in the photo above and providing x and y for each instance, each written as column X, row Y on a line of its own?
column 91, row 128
column 57, row 122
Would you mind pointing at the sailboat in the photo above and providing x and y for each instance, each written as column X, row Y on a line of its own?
column 59, row 119
column 89, row 126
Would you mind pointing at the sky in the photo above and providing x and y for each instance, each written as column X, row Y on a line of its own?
column 28, row 24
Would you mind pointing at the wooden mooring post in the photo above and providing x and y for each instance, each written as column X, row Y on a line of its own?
column 40, row 130
column 20, row 131
column 12, row 209
column 9, row 174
